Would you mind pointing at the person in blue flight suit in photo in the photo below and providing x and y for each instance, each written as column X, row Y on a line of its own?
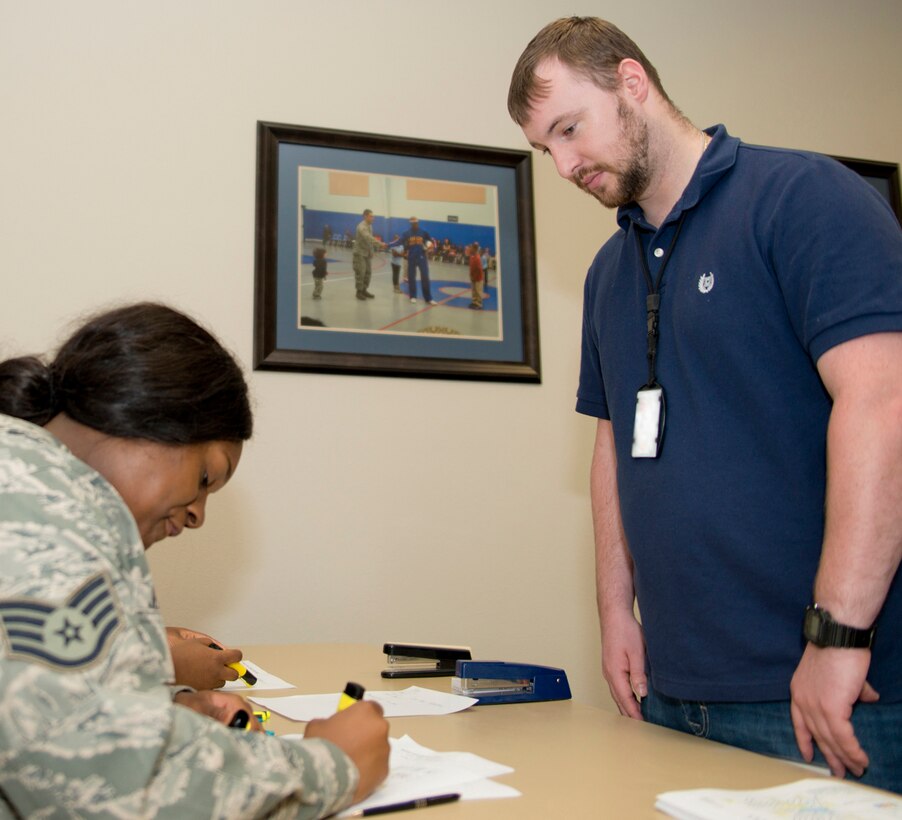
column 414, row 240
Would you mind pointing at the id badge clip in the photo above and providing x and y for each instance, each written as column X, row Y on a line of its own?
column 648, row 429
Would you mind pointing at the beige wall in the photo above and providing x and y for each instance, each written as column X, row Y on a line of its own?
column 368, row 509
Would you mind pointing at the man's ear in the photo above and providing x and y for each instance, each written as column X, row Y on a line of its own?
column 633, row 79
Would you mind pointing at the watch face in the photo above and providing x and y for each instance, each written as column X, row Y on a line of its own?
column 812, row 625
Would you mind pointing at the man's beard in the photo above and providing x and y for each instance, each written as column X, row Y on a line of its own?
column 632, row 179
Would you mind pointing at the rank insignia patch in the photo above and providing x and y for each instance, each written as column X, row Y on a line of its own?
column 70, row 636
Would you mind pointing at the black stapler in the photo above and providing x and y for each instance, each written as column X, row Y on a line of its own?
column 411, row 660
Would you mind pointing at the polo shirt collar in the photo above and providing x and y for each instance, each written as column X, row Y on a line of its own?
column 718, row 159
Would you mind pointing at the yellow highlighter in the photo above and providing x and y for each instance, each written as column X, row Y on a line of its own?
column 352, row 693
column 244, row 673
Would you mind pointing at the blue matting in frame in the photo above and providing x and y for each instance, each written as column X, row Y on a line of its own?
column 290, row 336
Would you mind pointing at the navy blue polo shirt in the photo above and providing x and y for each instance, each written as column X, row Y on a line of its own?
column 782, row 255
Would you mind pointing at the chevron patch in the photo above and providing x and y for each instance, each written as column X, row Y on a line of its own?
column 69, row 636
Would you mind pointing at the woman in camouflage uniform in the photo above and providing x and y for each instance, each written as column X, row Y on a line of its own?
column 109, row 448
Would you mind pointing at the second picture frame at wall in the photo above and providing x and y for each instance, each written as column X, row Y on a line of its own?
column 434, row 205
column 882, row 176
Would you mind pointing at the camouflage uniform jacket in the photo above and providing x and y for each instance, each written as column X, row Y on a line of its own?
column 87, row 723
column 364, row 241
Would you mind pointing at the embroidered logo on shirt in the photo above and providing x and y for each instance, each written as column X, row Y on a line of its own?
column 68, row 636
column 706, row 282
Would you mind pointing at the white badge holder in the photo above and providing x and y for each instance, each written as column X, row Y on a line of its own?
column 648, row 429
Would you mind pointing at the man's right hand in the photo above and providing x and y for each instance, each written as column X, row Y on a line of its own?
column 623, row 663
column 361, row 733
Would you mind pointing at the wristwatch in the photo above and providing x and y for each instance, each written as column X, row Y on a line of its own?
column 820, row 628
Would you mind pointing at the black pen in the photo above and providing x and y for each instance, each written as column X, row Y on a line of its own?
column 421, row 803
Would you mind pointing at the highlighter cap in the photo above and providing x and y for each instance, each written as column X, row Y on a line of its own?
column 354, row 690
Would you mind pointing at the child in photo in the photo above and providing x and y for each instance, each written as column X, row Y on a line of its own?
column 476, row 276
column 319, row 272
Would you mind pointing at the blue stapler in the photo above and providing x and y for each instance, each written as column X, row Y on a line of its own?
column 501, row 682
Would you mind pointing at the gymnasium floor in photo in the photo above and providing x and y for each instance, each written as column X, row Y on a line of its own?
column 391, row 312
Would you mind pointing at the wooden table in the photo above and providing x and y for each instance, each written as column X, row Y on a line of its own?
column 570, row 760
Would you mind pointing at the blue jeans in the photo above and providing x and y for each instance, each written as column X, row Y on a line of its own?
column 767, row 728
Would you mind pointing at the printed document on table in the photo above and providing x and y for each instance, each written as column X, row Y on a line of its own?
column 415, row 772
column 265, row 680
column 825, row 799
column 414, row 700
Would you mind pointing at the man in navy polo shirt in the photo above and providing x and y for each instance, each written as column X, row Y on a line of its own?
column 742, row 352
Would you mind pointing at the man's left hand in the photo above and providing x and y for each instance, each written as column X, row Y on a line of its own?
column 827, row 683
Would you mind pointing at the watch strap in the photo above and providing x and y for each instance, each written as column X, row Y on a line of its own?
column 822, row 630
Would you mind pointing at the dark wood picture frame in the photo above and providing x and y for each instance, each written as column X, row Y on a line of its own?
column 281, row 339
column 884, row 176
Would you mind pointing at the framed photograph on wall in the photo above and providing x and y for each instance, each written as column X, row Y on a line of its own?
column 446, row 288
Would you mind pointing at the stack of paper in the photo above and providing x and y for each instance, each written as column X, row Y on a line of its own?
column 825, row 799
column 415, row 772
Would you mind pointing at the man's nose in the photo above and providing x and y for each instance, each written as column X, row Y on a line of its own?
column 566, row 161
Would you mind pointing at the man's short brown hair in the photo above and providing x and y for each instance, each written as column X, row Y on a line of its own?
column 590, row 46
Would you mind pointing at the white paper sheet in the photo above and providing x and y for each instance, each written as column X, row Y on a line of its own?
column 416, row 772
column 824, row 798
column 265, row 680
column 414, row 700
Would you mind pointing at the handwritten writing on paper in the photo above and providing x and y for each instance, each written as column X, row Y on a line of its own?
column 415, row 772
column 824, row 798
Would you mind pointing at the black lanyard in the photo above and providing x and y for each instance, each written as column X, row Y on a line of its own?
column 653, row 300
